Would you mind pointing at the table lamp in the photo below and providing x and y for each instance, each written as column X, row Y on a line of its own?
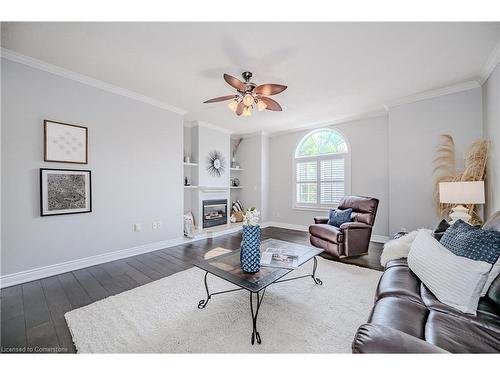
column 460, row 193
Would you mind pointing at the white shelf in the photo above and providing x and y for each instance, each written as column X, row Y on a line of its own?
column 190, row 164
column 235, row 169
column 190, row 187
column 236, row 187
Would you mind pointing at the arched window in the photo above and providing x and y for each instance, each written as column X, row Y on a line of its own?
column 321, row 166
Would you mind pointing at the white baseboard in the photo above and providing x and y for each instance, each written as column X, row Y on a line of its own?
column 302, row 228
column 55, row 269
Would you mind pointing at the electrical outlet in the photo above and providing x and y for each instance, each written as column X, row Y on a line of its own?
column 137, row 227
column 156, row 225
column 159, row 224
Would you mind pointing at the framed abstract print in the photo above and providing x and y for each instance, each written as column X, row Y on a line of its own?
column 65, row 143
column 65, row 191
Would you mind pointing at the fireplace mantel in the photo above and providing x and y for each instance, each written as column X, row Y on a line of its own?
column 213, row 189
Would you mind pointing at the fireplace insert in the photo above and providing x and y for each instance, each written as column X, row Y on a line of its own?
column 214, row 212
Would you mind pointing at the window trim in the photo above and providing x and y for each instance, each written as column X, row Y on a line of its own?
column 347, row 168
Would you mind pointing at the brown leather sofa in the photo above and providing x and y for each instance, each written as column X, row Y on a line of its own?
column 351, row 239
column 407, row 317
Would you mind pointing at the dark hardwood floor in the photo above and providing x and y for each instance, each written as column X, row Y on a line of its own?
column 32, row 314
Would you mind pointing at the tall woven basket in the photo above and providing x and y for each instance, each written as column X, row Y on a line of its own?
column 250, row 249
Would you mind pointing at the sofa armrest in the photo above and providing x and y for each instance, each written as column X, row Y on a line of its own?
column 372, row 338
column 355, row 225
column 320, row 220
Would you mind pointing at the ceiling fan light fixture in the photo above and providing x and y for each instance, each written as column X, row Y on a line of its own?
column 249, row 94
column 261, row 105
column 233, row 105
column 248, row 99
column 246, row 111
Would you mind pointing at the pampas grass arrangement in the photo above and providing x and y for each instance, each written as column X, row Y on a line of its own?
column 475, row 170
column 445, row 170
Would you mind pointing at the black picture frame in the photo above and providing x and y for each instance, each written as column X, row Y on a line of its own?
column 44, row 192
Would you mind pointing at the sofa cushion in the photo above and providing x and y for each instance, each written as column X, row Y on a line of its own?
column 338, row 217
column 402, row 262
column 398, row 281
column 440, row 229
column 486, row 315
column 472, row 242
column 460, row 335
column 326, row 232
column 455, row 280
column 372, row 338
column 400, row 313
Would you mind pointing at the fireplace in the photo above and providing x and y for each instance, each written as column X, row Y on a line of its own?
column 214, row 212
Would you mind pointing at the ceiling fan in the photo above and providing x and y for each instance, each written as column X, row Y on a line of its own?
column 249, row 94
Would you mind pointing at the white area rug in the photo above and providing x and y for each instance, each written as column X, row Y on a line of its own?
column 295, row 316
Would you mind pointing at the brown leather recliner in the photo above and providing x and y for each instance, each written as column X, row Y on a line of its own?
column 351, row 239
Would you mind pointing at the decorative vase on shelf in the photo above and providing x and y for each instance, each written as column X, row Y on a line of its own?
column 250, row 244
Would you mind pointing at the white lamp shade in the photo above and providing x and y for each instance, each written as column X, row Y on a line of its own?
column 462, row 192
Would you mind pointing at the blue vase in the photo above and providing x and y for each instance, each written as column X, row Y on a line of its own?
column 250, row 249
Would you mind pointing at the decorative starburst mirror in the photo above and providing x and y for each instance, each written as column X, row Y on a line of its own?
column 216, row 164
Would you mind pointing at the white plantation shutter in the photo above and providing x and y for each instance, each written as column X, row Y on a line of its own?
column 307, row 174
column 321, row 162
column 331, row 181
column 307, row 171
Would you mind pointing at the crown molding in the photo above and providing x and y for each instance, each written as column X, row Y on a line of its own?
column 208, row 125
column 459, row 87
column 53, row 69
column 490, row 64
column 260, row 133
column 336, row 121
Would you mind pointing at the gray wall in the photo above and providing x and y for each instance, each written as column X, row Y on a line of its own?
column 368, row 144
column 265, row 178
column 414, row 131
column 135, row 153
column 491, row 122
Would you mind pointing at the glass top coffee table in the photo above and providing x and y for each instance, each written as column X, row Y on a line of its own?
column 227, row 267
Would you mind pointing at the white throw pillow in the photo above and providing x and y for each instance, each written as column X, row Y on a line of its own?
column 398, row 248
column 495, row 271
column 455, row 281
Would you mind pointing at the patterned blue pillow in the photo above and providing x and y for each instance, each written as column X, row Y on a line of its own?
column 471, row 242
column 339, row 217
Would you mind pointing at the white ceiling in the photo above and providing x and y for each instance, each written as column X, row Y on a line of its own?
column 333, row 70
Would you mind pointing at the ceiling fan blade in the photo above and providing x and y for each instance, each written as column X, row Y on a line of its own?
column 235, row 82
column 221, row 99
column 269, row 89
column 239, row 108
column 272, row 105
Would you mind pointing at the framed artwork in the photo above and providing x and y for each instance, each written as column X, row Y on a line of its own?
column 65, row 143
column 65, row 191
